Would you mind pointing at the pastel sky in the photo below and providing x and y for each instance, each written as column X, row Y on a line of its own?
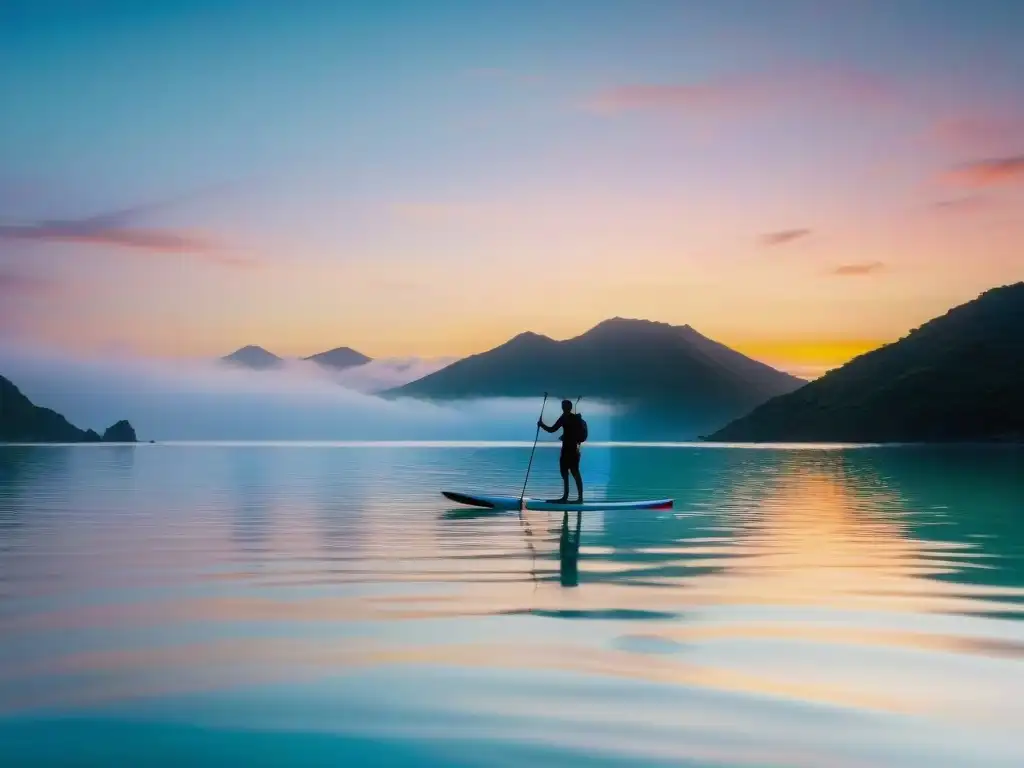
column 799, row 180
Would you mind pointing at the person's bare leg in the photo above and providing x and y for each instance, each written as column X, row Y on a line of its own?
column 579, row 484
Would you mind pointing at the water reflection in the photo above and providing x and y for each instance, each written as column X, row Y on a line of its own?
column 877, row 592
column 569, row 552
column 819, row 531
column 968, row 501
column 121, row 457
column 252, row 491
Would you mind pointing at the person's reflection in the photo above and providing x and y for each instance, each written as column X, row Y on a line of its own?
column 569, row 552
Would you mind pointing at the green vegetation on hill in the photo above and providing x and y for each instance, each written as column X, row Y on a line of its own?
column 959, row 377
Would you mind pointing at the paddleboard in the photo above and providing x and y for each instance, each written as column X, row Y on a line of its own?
column 512, row 502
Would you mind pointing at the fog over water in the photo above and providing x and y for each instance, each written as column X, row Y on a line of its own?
column 209, row 400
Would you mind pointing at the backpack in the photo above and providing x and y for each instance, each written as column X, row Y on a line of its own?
column 581, row 428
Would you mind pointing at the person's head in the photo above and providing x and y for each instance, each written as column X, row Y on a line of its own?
column 566, row 406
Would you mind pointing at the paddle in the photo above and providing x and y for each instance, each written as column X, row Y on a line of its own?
column 535, row 438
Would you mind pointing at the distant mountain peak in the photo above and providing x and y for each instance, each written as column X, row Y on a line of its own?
column 251, row 349
column 339, row 358
column 626, row 324
column 626, row 330
column 521, row 343
column 630, row 322
column 635, row 363
column 528, row 337
column 253, row 356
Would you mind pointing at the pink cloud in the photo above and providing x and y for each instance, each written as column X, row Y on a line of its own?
column 856, row 270
column 150, row 240
column 783, row 236
column 17, row 284
column 94, row 233
column 989, row 133
column 989, row 172
column 748, row 91
column 969, row 204
column 113, row 229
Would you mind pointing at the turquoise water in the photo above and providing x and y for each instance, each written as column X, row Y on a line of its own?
column 324, row 605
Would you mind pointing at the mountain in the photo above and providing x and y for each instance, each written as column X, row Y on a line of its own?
column 669, row 379
column 959, row 377
column 339, row 358
column 23, row 422
column 121, row 432
column 253, row 357
column 259, row 359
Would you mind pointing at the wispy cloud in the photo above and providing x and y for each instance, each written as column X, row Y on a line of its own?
column 114, row 229
column 987, row 133
column 968, row 204
column 746, row 92
column 155, row 240
column 857, row 270
column 82, row 232
column 19, row 284
column 783, row 236
column 989, row 172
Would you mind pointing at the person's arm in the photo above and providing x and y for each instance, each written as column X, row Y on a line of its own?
column 553, row 428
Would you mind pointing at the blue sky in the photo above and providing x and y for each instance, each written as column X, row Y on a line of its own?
column 425, row 177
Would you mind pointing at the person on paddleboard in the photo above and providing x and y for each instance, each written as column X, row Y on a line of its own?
column 569, row 460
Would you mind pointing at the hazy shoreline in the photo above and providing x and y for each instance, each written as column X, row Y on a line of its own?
column 299, row 443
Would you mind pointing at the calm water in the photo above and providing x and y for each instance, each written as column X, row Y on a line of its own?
column 324, row 605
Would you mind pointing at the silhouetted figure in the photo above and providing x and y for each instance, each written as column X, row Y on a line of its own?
column 569, row 460
column 569, row 552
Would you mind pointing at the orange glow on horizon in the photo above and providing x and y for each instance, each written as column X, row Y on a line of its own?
column 800, row 357
column 432, row 338
column 804, row 357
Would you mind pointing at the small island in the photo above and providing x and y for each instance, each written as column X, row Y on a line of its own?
column 121, row 432
column 21, row 421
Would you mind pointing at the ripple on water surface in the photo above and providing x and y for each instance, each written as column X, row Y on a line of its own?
column 301, row 604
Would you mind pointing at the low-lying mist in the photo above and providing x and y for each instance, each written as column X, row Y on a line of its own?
column 208, row 400
column 379, row 375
